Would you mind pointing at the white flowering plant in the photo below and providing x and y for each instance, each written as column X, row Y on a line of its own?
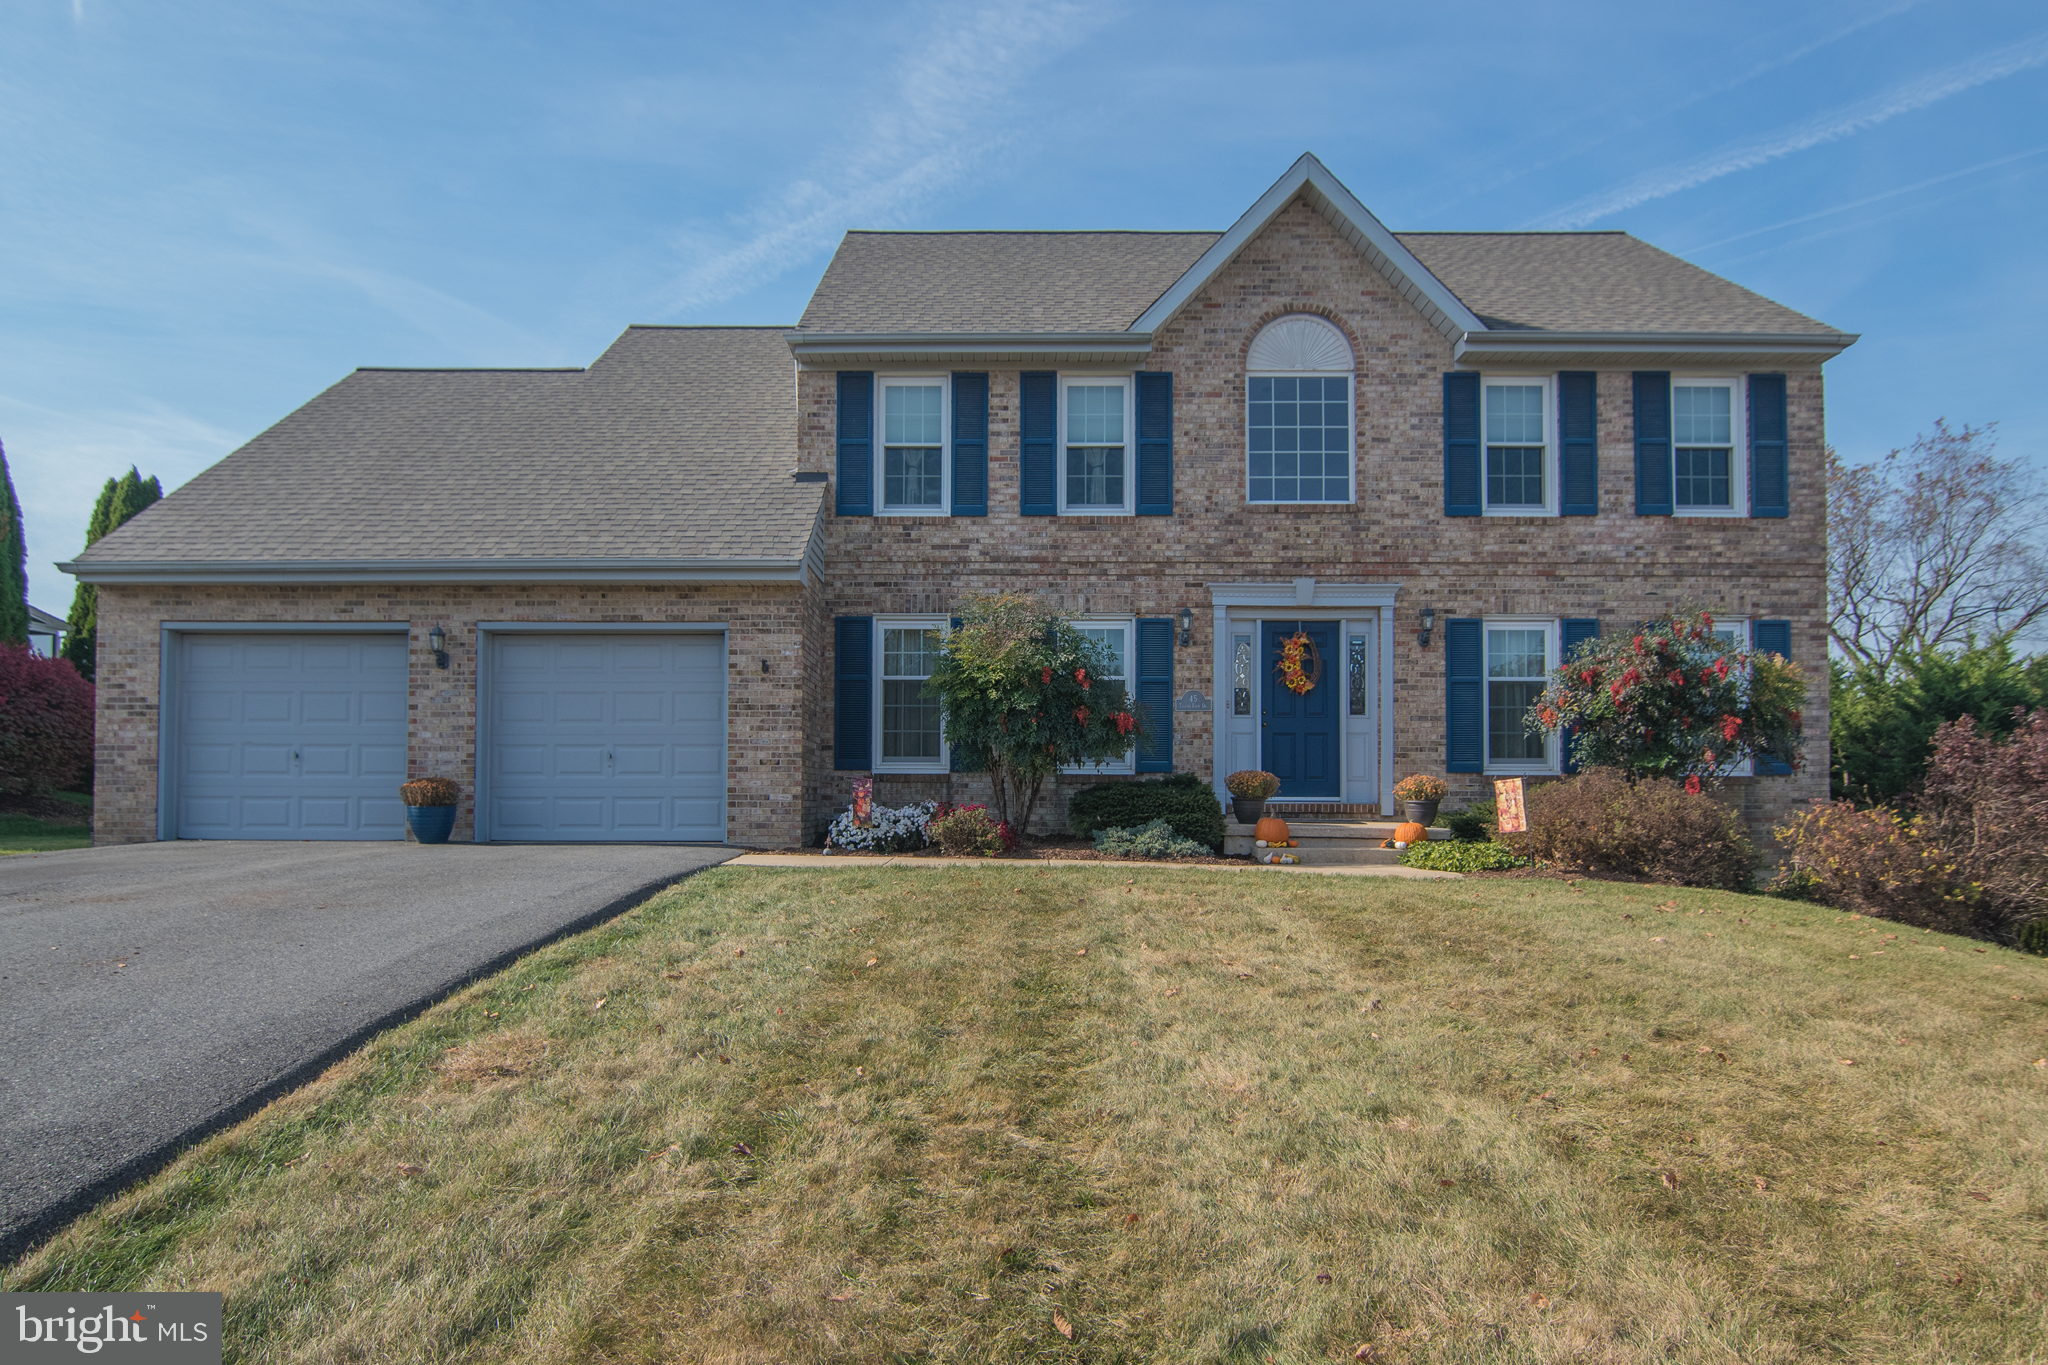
column 899, row 829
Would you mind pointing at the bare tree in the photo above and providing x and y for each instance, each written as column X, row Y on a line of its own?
column 1932, row 545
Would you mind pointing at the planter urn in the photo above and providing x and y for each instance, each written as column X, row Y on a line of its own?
column 1420, row 812
column 430, row 824
column 1247, row 809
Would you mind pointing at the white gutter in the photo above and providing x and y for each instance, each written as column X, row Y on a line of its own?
column 1529, row 345
column 564, row 569
column 848, row 348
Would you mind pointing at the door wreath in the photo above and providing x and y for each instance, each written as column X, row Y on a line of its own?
column 1301, row 664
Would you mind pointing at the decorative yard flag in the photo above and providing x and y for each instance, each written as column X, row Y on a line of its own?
column 1507, row 802
column 863, row 801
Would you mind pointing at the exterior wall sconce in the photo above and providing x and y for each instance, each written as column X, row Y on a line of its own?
column 437, row 640
column 1187, row 627
column 1428, row 626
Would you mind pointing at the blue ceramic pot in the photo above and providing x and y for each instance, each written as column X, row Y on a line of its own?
column 430, row 824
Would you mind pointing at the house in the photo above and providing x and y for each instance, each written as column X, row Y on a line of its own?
column 691, row 591
column 46, row 632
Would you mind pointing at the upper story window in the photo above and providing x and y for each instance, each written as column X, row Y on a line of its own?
column 1705, row 469
column 1298, row 413
column 912, row 464
column 1095, row 446
column 1521, row 477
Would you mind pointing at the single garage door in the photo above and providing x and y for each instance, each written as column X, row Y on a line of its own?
column 607, row 738
column 290, row 736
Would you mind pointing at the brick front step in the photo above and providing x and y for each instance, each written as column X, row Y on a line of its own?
column 1327, row 842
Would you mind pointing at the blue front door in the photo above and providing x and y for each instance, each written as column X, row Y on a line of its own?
column 1300, row 739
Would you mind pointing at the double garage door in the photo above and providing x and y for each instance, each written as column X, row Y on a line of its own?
column 588, row 737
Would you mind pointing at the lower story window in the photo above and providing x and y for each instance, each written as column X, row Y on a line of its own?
column 910, row 717
column 1518, row 658
column 1115, row 639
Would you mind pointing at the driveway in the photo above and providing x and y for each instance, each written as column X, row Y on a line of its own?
column 152, row 993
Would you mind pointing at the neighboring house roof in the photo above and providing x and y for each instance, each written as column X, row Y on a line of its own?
column 41, row 622
column 1584, row 298
column 670, row 457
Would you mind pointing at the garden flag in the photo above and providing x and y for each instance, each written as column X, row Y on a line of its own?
column 1507, row 801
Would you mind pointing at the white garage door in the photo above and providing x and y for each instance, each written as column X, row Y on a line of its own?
column 607, row 738
column 290, row 736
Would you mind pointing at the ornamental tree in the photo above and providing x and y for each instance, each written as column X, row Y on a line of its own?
column 1026, row 694
column 1671, row 700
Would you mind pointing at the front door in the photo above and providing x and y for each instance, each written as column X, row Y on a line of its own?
column 1301, row 732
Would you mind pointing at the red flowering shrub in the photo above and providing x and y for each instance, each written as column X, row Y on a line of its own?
column 46, row 723
column 1674, row 701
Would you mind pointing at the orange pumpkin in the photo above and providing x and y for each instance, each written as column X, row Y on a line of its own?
column 1410, row 833
column 1272, row 829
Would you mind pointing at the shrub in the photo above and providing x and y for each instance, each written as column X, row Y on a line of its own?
column 966, row 831
column 1653, row 827
column 1476, row 823
column 1420, row 787
column 1881, row 725
column 1153, row 840
column 2034, row 938
column 1453, row 855
column 1182, row 800
column 46, row 723
column 429, row 791
column 890, row 830
column 1251, row 784
column 1872, row 860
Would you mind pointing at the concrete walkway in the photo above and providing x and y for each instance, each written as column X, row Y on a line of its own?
column 840, row 862
column 152, row 993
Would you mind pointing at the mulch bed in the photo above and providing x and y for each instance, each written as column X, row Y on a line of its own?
column 1051, row 848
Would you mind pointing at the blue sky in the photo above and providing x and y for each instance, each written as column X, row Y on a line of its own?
column 211, row 211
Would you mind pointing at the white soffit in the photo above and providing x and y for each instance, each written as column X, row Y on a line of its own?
column 1310, row 178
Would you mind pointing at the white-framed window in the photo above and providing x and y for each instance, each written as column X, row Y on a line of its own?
column 1520, row 451
column 1098, row 455
column 1300, row 421
column 1709, row 449
column 1115, row 634
column 1734, row 633
column 913, row 476
column 1520, row 652
column 908, row 735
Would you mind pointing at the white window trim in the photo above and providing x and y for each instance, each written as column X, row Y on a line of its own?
column 1130, row 388
column 881, row 484
column 1745, row 639
column 1350, row 437
column 941, row 764
column 1129, row 625
column 1738, row 452
column 1553, row 471
column 1553, row 634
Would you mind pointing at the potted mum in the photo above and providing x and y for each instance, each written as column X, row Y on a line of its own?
column 1248, row 792
column 429, row 808
column 1420, row 795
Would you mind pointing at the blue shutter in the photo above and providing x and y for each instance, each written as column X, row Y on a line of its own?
column 1578, row 430
column 1577, row 630
column 1155, row 443
column 1038, row 420
column 1155, row 693
column 1772, row 637
column 1653, row 443
column 1464, row 695
column 1461, row 447
column 964, row 762
column 1770, row 477
column 970, row 446
column 853, row 666
column 856, row 480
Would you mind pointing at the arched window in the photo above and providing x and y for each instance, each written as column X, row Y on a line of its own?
column 1298, row 420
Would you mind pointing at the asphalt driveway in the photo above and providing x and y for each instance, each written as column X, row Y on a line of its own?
column 151, row 993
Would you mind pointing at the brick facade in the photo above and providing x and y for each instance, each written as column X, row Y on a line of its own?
column 767, row 740
column 1616, row 566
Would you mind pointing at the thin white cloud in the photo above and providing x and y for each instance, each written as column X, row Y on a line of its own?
column 939, row 119
column 1868, row 200
column 1832, row 126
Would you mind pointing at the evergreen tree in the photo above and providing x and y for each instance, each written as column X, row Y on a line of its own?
column 13, row 564
column 121, row 499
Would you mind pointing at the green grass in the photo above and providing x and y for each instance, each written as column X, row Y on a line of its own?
column 28, row 834
column 926, row 1115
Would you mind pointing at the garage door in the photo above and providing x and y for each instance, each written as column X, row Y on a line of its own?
column 290, row 736
column 612, row 738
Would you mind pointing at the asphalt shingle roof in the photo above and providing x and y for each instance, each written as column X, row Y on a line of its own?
column 676, row 444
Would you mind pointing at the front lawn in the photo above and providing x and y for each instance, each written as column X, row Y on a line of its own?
column 1015, row 1113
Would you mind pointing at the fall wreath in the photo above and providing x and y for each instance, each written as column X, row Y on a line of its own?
column 1301, row 664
